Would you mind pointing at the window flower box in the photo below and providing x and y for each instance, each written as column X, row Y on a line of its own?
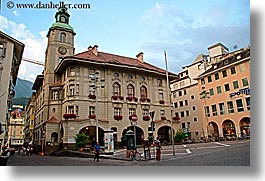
column 92, row 116
column 68, row 116
column 114, row 97
column 133, row 115
column 117, row 117
column 146, row 118
column 130, row 98
column 162, row 102
column 176, row 118
column 143, row 99
column 163, row 118
column 121, row 98
column 92, row 96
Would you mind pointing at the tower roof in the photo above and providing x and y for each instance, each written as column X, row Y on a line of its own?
column 62, row 20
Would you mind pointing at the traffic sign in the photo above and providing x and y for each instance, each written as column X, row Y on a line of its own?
column 134, row 118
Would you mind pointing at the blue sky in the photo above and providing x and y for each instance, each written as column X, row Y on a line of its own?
column 184, row 28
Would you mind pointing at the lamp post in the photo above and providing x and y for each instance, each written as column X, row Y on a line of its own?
column 204, row 94
column 95, row 80
column 170, row 106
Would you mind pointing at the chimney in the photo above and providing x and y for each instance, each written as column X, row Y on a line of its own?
column 89, row 48
column 95, row 50
column 140, row 57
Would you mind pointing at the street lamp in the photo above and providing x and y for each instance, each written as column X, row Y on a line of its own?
column 95, row 81
column 170, row 105
column 42, row 143
column 204, row 94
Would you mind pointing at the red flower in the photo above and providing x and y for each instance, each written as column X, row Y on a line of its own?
column 66, row 116
column 129, row 98
column 161, row 101
column 114, row 97
column 143, row 99
column 92, row 96
column 163, row 118
column 176, row 118
column 92, row 116
column 117, row 117
column 121, row 97
column 146, row 118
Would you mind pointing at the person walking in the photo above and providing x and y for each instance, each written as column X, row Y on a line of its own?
column 96, row 151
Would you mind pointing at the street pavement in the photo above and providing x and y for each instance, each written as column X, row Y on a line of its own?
column 230, row 153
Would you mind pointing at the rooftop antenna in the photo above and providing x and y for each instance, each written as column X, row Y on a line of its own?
column 235, row 47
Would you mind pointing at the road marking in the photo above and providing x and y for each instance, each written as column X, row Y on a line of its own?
column 221, row 144
column 188, row 151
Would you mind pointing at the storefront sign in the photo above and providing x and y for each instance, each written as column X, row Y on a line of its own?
column 241, row 91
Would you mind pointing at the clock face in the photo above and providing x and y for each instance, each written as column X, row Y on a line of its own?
column 62, row 50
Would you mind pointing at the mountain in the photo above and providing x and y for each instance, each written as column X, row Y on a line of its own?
column 23, row 88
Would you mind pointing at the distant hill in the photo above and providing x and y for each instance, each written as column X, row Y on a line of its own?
column 23, row 88
column 18, row 102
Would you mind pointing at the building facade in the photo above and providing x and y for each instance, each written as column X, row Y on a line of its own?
column 81, row 92
column 16, row 129
column 11, row 51
column 186, row 99
column 29, row 119
column 204, row 84
column 227, row 104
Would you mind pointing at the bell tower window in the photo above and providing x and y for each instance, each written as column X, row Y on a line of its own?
column 62, row 37
column 63, row 20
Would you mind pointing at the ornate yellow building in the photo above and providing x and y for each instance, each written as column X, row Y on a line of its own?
column 80, row 92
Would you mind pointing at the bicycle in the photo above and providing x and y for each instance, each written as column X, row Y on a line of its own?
column 135, row 155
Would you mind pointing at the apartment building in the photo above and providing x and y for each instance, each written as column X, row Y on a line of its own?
column 81, row 92
column 16, row 129
column 11, row 51
column 227, row 104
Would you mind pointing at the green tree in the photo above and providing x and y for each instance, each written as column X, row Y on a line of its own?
column 81, row 139
column 178, row 137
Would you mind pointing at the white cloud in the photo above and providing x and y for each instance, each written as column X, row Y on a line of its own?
column 35, row 46
column 185, row 35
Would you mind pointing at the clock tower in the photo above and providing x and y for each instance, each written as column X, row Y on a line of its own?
column 60, row 43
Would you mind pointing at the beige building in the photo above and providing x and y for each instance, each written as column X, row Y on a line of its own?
column 190, row 97
column 29, row 119
column 80, row 92
column 11, row 51
column 16, row 129
column 227, row 84
column 186, row 99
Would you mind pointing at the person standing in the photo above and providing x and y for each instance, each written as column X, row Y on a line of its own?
column 96, row 151
column 158, row 150
column 4, row 156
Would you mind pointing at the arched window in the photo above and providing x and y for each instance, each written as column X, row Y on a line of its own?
column 130, row 90
column 143, row 92
column 62, row 37
column 116, row 89
column 54, row 137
